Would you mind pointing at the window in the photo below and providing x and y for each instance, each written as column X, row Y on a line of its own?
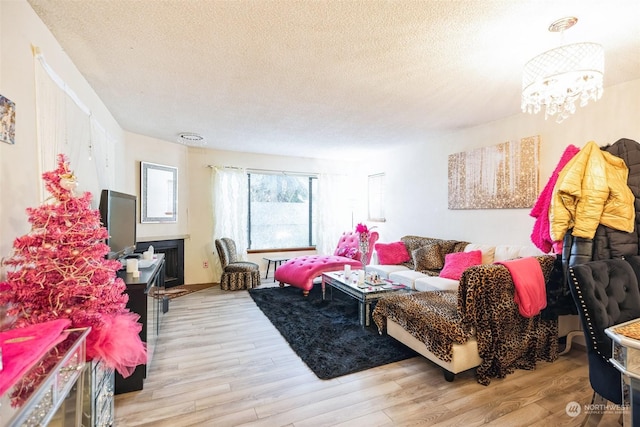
column 282, row 211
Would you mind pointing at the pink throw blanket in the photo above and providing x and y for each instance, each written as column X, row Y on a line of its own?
column 528, row 280
column 23, row 347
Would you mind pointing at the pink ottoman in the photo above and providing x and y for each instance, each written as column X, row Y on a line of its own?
column 301, row 271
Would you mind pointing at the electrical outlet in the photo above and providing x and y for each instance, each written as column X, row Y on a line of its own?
column 205, row 264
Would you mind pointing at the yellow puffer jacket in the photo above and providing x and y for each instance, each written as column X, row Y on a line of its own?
column 591, row 189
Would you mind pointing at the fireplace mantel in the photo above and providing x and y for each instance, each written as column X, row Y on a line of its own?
column 173, row 249
column 142, row 239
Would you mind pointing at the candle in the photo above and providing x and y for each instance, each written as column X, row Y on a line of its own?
column 132, row 265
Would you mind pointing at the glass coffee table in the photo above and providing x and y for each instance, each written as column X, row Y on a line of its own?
column 365, row 294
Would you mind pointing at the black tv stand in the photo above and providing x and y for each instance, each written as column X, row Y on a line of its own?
column 146, row 301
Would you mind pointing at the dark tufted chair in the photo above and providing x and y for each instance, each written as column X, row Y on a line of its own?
column 235, row 274
column 606, row 294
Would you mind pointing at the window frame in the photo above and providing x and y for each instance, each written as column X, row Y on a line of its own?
column 375, row 193
column 311, row 229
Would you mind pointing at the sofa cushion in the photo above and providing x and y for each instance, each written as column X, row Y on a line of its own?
column 406, row 277
column 428, row 257
column 392, row 253
column 449, row 246
column 507, row 252
column 488, row 251
column 435, row 283
column 457, row 262
column 384, row 270
column 446, row 246
column 414, row 242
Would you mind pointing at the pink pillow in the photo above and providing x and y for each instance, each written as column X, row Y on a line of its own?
column 457, row 262
column 392, row 253
column 347, row 251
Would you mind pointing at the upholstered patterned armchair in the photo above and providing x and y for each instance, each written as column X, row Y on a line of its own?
column 235, row 274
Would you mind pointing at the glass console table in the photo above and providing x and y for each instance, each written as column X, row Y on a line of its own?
column 51, row 391
column 626, row 359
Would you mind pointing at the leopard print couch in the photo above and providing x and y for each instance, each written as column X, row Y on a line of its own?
column 471, row 322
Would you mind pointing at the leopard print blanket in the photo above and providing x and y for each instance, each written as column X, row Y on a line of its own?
column 431, row 317
column 484, row 304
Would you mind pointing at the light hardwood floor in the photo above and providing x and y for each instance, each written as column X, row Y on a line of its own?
column 220, row 362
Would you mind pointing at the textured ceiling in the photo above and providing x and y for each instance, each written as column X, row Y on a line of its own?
column 319, row 78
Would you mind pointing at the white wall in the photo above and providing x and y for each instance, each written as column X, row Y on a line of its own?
column 20, row 174
column 416, row 196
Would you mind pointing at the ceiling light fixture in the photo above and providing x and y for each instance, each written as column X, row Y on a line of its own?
column 556, row 79
column 190, row 138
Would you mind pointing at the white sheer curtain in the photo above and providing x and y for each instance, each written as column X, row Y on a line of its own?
column 336, row 205
column 65, row 125
column 230, row 208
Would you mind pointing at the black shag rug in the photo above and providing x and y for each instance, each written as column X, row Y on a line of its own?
column 326, row 335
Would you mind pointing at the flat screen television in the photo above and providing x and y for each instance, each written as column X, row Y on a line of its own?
column 118, row 215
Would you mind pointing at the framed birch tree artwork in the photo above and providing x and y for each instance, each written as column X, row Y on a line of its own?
column 503, row 176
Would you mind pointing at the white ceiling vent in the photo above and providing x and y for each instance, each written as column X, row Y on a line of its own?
column 190, row 138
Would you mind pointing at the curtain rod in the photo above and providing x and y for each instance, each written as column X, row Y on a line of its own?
column 224, row 167
column 264, row 171
column 37, row 54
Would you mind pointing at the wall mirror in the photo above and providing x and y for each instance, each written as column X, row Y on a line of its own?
column 159, row 190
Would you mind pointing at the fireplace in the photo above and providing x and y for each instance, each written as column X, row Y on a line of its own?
column 173, row 250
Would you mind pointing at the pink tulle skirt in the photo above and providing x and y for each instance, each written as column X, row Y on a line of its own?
column 117, row 343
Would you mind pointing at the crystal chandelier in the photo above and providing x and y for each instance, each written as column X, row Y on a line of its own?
column 560, row 77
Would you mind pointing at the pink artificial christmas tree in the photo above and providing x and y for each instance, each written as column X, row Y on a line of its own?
column 59, row 270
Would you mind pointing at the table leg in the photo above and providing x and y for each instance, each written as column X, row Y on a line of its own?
column 268, row 266
column 323, row 288
column 362, row 313
column 276, row 264
column 367, row 314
